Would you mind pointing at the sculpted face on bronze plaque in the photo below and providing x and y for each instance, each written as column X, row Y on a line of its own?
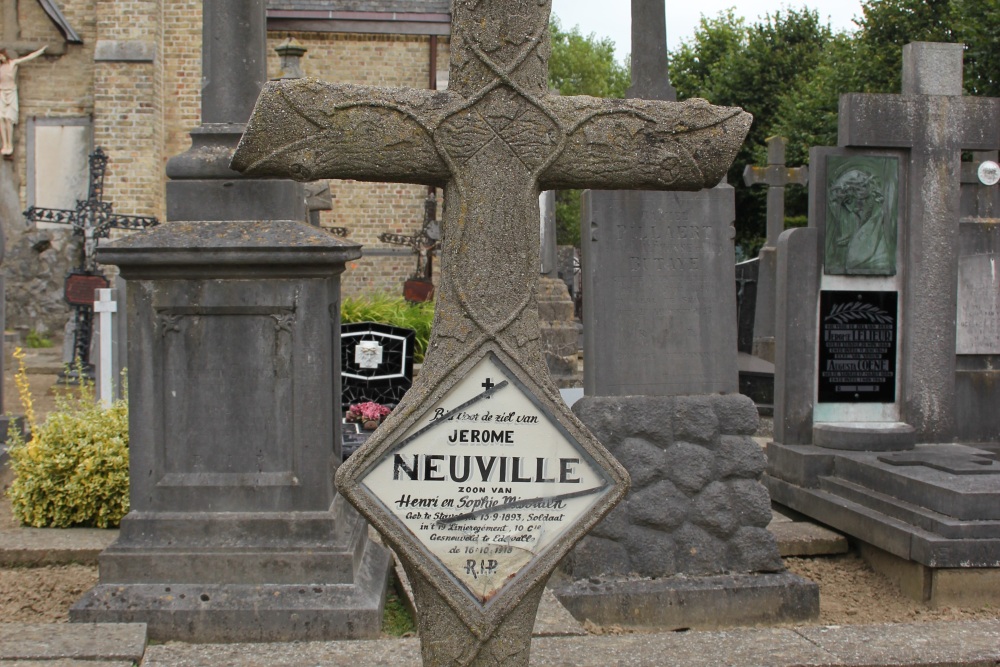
column 861, row 215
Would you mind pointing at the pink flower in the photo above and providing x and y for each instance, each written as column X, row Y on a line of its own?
column 369, row 411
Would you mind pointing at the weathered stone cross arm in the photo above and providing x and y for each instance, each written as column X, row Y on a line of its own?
column 308, row 130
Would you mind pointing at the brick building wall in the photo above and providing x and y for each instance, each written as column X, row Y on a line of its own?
column 142, row 109
column 36, row 263
column 369, row 209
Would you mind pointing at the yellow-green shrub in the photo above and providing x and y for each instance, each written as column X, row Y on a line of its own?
column 74, row 469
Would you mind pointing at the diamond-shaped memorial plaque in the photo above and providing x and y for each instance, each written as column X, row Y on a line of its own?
column 486, row 480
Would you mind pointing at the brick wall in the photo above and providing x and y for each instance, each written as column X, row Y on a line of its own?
column 369, row 209
column 143, row 111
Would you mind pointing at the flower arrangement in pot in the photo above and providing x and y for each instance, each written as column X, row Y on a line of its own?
column 369, row 414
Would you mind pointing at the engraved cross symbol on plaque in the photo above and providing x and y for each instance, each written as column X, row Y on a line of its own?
column 492, row 141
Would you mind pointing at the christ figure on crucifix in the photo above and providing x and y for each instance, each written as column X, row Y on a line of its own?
column 8, row 97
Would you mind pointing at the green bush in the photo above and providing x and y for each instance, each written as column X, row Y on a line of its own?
column 36, row 339
column 394, row 311
column 74, row 469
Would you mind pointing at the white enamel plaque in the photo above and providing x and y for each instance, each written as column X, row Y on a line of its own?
column 989, row 173
column 487, row 480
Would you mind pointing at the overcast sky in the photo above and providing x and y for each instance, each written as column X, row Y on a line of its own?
column 611, row 18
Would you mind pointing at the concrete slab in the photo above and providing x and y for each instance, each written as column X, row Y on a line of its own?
column 936, row 587
column 955, row 644
column 61, row 641
column 952, row 643
column 554, row 620
column 803, row 538
column 692, row 602
column 35, row 547
column 68, row 663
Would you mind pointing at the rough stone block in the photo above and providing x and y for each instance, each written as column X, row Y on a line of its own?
column 737, row 414
column 615, row 524
column 740, row 456
column 699, row 553
column 645, row 462
column 751, row 502
column 713, row 509
column 695, row 420
column 754, row 550
column 661, row 506
column 689, row 466
column 652, row 553
column 597, row 557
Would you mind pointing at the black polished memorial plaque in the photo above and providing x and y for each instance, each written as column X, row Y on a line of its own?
column 376, row 363
column 857, row 347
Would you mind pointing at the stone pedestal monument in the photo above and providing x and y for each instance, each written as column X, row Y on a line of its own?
column 236, row 530
column 482, row 479
column 874, row 434
column 689, row 546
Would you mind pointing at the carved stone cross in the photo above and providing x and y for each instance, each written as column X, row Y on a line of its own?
column 492, row 141
column 776, row 176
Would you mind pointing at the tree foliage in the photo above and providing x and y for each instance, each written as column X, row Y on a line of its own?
column 789, row 70
column 581, row 65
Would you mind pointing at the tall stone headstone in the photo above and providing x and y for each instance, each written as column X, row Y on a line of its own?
column 661, row 392
column 482, row 479
column 868, row 405
column 236, row 530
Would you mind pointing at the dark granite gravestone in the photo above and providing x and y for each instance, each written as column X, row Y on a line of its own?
column 661, row 384
column 881, row 265
column 756, row 374
column 376, row 363
column 482, row 479
column 776, row 176
column 236, row 530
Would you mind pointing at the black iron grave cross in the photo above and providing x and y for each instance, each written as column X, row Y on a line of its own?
column 420, row 286
column 493, row 140
column 93, row 219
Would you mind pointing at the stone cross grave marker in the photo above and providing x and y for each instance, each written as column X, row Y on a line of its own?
column 933, row 121
column 482, row 479
column 776, row 176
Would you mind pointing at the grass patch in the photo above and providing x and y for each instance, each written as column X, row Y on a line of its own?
column 394, row 311
column 397, row 621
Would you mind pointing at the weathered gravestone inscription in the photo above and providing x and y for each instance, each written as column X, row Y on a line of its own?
column 535, row 479
column 857, row 348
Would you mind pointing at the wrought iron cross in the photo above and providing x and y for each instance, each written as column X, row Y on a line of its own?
column 493, row 140
column 93, row 218
column 424, row 243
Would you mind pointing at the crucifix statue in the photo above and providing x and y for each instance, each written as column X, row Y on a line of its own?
column 9, row 108
column 420, row 286
column 93, row 219
column 493, row 141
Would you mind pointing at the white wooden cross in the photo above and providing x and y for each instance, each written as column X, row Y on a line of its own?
column 105, row 306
